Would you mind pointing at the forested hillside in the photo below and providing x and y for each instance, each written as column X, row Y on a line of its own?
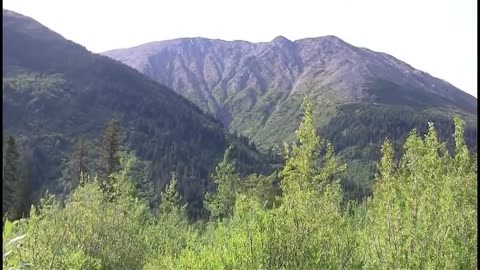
column 422, row 215
column 55, row 92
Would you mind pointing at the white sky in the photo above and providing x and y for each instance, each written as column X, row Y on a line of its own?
column 436, row 36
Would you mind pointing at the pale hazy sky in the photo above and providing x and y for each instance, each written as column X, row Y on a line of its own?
column 436, row 36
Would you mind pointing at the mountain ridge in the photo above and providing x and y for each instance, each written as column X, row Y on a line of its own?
column 277, row 39
column 209, row 71
column 156, row 46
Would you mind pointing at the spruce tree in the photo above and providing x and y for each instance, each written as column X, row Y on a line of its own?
column 139, row 173
column 77, row 165
column 110, row 159
column 24, row 193
column 10, row 178
column 170, row 200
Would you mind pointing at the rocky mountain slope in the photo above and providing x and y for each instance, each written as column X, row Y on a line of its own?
column 255, row 87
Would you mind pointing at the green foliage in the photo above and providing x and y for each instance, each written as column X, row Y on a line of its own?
column 422, row 215
column 77, row 165
column 12, row 231
column 262, row 188
column 221, row 203
column 110, row 158
column 357, row 131
column 10, row 176
column 167, row 235
column 24, row 192
column 417, row 218
column 16, row 182
column 41, row 86
column 310, row 210
column 77, row 236
column 171, row 201
column 139, row 175
column 423, row 212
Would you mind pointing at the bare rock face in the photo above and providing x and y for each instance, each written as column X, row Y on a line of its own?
column 253, row 87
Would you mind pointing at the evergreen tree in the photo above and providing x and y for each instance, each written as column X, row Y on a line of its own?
column 25, row 189
column 139, row 174
column 221, row 203
column 77, row 165
column 170, row 200
column 110, row 159
column 10, row 179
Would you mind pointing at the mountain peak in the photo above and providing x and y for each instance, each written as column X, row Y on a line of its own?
column 7, row 12
column 332, row 37
column 281, row 39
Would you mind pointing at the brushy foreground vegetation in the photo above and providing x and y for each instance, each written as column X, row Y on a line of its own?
column 422, row 215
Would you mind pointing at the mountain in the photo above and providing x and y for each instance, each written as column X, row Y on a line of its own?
column 255, row 87
column 54, row 91
column 359, row 96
